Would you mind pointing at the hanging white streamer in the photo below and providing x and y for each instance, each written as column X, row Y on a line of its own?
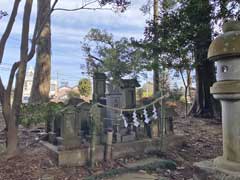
column 155, row 116
column 134, row 109
column 124, row 120
column 146, row 118
column 135, row 121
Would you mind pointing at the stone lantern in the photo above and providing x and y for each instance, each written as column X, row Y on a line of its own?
column 225, row 51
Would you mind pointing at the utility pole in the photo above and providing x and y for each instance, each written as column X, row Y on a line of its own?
column 156, row 69
column 57, row 85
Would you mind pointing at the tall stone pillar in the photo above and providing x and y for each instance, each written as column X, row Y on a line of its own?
column 225, row 51
column 99, row 86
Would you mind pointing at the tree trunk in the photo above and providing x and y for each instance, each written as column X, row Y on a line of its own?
column 13, row 113
column 189, row 83
column 186, row 101
column 42, row 75
column 156, row 78
column 204, row 105
column 17, row 100
column 156, row 81
column 11, row 135
column 6, row 106
column 186, row 85
column 11, row 128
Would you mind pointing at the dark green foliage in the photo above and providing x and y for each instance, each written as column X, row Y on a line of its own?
column 38, row 113
column 185, row 30
column 174, row 45
column 115, row 58
column 184, row 33
column 164, row 164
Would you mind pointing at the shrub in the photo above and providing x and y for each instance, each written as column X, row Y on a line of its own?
column 32, row 114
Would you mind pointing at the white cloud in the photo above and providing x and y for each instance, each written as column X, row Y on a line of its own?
column 68, row 29
column 133, row 17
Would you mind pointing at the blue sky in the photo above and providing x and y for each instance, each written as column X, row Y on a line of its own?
column 68, row 29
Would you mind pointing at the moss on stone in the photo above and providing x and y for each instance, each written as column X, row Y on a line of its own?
column 227, row 44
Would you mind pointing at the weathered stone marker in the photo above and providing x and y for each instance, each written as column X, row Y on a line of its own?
column 70, row 128
column 225, row 50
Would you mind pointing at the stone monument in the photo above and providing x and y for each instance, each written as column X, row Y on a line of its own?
column 99, row 86
column 121, row 95
column 71, row 127
column 225, row 50
column 113, row 99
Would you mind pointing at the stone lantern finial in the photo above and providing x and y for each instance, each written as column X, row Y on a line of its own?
column 227, row 44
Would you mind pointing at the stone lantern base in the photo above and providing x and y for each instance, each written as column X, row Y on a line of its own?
column 207, row 170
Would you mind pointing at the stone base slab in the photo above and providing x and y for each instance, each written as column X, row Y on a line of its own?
column 80, row 156
column 207, row 170
column 225, row 164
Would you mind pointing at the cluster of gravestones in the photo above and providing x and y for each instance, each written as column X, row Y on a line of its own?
column 70, row 128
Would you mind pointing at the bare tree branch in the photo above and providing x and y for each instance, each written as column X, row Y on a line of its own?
column 8, row 28
column 84, row 7
column 181, row 73
column 97, row 59
column 2, row 90
column 11, row 77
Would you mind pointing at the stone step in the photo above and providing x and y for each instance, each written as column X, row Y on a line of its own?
column 137, row 170
column 135, row 176
column 143, row 162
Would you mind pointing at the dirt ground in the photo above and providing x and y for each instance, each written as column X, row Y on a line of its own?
column 203, row 141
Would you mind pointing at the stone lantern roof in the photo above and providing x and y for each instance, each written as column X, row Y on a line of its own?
column 129, row 83
column 227, row 44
